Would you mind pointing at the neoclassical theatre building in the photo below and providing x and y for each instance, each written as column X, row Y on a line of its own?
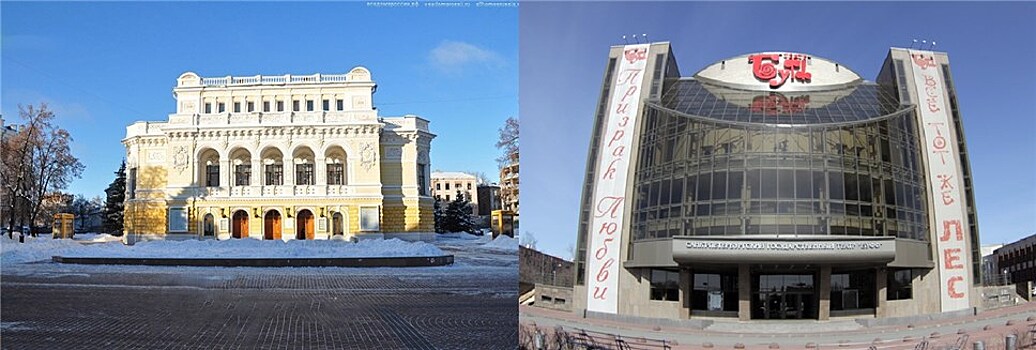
column 279, row 157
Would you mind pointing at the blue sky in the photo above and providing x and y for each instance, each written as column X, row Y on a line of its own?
column 992, row 50
column 102, row 66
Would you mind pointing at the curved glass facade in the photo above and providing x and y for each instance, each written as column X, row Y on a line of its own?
column 701, row 175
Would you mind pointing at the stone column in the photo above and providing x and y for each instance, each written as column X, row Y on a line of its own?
column 744, row 293
column 257, row 172
column 224, row 173
column 288, row 175
column 824, row 309
column 881, row 286
column 320, row 170
column 686, row 289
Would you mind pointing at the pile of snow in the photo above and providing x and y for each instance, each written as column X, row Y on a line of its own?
column 502, row 243
column 95, row 237
column 460, row 235
column 36, row 250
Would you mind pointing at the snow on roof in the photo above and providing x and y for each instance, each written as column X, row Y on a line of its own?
column 451, row 175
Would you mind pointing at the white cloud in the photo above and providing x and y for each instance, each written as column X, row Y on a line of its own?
column 453, row 56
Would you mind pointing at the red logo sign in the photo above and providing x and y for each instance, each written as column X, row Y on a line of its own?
column 923, row 62
column 776, row 104
column 764, row 67
column 634, row 55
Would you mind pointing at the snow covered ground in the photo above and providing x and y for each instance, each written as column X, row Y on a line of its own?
column 471, row 252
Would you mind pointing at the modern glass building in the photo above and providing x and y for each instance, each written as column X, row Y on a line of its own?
column 776, row 185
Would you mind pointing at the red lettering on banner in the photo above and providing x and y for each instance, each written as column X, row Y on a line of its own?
column 617, row 136
column 629, row 92
column 600, row 292
column 622, row 108
column 602, row 274
column 608, row 228
column 764, row 68
column 624, row 121
column 609, row 174
column 618, row 152
column 951, row 255
column 945, row 181
column 939, row 142
column 611, row 209
column 629, row 76
column 946, row 225
column 951, row 290
column 932, row 90
column 947, row 198
column 602, row 252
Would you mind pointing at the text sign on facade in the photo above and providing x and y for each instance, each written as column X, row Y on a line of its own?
column 713, row 250
column 778, row 69
column 787, row 246
column 610, row 191
column 951, row 225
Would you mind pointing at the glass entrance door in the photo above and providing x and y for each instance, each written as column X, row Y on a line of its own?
column 784, row 296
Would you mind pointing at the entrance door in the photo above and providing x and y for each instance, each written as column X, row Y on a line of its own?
column 240, row 228
column 784, row 296
column 304, row 225
column 209, row 226
column 336, row 224
column 272, row 225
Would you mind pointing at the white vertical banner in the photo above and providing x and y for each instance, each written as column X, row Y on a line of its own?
column 944, row 182
column 609, row 197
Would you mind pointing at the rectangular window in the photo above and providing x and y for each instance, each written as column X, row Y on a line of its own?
column 250, row 106
column 274, row 174
column 221, row 107
column 447, row 186
column 714, row 291
column 212, row 175
column 237, row 107
column 370, row 219
column 266, row 106
column 309, row 105
column 304, row 174
column 242, row 174
column 177, row 219
column 469, row 186
column 438, row 187
column 208, row 108
column 295, row 105
column 327, row 105
column 280, row 106
column 665, row 285
column 341, row 104
column 900, row 284
column 852, row 290
column 335, row 174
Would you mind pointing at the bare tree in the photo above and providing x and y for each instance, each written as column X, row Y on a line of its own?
column 508, row 140
column 528, row 240
column 480, row 177
column 38, row 163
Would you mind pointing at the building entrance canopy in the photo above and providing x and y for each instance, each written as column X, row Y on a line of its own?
column 740, row 249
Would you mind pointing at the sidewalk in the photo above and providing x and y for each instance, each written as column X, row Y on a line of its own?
column 989, row 327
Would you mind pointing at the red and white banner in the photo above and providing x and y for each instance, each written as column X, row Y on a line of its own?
column 609, row 195
column 944, row 182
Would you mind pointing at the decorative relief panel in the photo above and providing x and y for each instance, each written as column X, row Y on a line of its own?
column 359, row 102
column 368, row 155
column 156, row 156
column 393, row 152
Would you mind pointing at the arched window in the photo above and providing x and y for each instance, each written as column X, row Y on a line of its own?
column 209, row 168
column 242, row 161
column 273, row 167
column 304, row 166
column 336, row 161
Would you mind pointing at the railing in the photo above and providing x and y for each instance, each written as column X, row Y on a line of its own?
column 276, row 191
column 532, row 337
column 275, row 79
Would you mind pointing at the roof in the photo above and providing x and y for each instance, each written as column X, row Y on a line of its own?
column 452, row 175
column 862, row 102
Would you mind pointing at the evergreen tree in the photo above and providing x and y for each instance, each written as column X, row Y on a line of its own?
column 115, row 204
column 457, row 216
column 440, row 215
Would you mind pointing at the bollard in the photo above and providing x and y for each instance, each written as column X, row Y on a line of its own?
column 979, row 345
column 1011, row 342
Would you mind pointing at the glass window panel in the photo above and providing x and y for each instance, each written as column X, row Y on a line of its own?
column 836, row 188
column 785, row 184
column 752, row 184
column 769, row 183
column 704, row 187
column 852, row 192
column 719, row 185
column 803, row 188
